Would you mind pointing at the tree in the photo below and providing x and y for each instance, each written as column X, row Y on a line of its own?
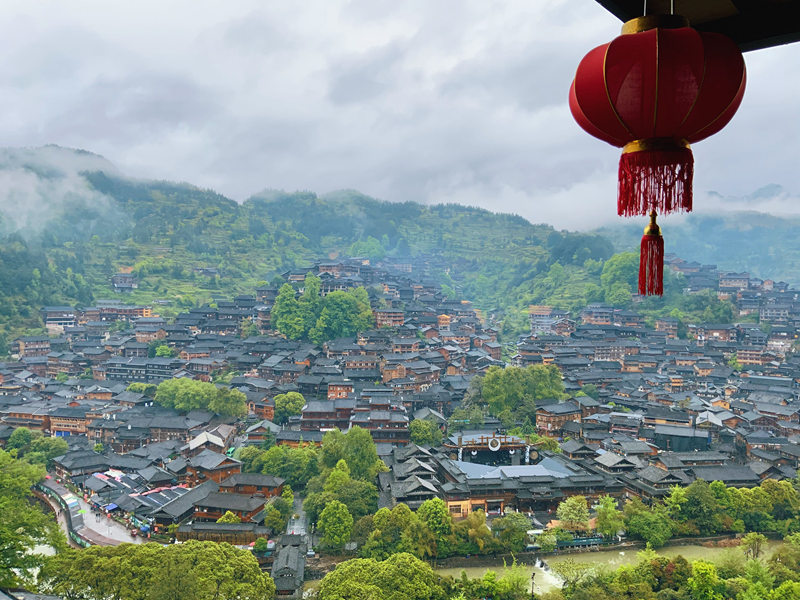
column 343, row 315
column 229, row 517
column 573, row 513
column 386, row 537
column 425, row 433
column 286, row 315
column 20, row 438
column 752, row 544
column 188, row 394
column 400, row 577
column 651, row 524
column 228, row 402
column 434, row 515
column 197, row 570
column 336, row 525
column 704, row 584
column 356, row 447
column 148, row 389
column 547, row 542
column 165, row 351
column 98, row 448
column 571, row 572
column 23, row 526
column 701, row 507
column 472, row 534
column 512, row 530
column 287, row 405
column 274, row 519
column 622, row 268
column 609, row 519
column 510, row 388
column 295, row 465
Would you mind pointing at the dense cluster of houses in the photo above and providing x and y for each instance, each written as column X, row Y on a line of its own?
column 647, row 409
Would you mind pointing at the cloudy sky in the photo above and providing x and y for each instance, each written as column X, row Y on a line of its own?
column 425, row 100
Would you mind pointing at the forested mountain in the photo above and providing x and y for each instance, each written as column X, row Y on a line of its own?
column 69, row 220
column 764, row 245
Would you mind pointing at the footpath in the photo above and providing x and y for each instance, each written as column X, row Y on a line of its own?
column 83, row 526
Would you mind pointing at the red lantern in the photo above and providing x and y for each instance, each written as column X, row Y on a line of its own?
column 652, row 91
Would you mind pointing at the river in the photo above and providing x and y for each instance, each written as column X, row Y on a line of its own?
column 610, row 559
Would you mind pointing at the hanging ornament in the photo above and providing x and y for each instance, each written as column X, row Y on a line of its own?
column 652, row 91
column 651, row 260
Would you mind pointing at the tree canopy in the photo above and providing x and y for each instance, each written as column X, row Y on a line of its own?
column 23, row 525
column 513, row 392
column 316, row 318
column 189, row 394
column 287, row 405
column 193, row 569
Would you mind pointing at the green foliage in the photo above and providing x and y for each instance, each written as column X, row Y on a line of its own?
column 651, row 524
column 188, row 394
column 425, row 433
column 165, row 351
column 753, row 543
column 197, row 570
column 516, row 390
column 274, row 519
column 34, row 447
column 619, row 278
column 287, row 405
column 571, row 572
column 23, row 525
column 609, row 519
column 338, row 314
column 434, row 515
column 371, row 248
column 704, row 584
column 148, row 389
column 573, row 513
column 359, row 496
column 295, row 465
column 400, row 577
column 511, row 585
column 261, row 545
column 512, row 531
column 229, row 517
column 20, row 438
column 336, row 525
column 356, row 447
column 464, row 418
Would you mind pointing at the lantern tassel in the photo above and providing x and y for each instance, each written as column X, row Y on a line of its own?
column 651, row 260
column 655, row 175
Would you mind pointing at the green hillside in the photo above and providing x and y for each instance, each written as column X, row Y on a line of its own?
column 765, row 245
column 79, row 221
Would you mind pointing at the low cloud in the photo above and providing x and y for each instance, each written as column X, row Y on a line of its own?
column 452, row 101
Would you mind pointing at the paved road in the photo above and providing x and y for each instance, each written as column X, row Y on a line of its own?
column 298, row 526
column 96, row 529
column 106, row 527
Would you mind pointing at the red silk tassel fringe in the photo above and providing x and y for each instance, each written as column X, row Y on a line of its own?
column 659, row 180
column 651, row 266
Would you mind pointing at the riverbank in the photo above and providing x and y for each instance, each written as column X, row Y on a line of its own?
column 544, row 580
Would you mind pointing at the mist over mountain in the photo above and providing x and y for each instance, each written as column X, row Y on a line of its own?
column 70, row 220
